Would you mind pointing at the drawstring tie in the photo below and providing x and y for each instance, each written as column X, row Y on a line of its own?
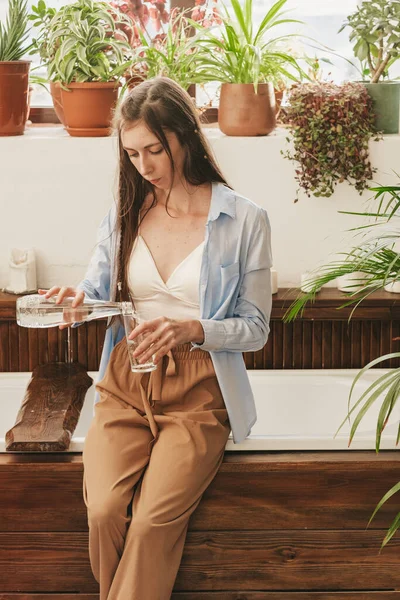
column 150, row 388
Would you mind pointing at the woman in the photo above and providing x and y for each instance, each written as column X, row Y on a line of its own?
column 184, row 246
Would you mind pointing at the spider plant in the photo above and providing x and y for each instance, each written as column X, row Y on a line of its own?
column 377, row 258
column 173, row 53
column 239, row 53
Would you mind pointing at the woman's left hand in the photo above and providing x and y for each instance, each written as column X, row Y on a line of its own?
column 165, row 334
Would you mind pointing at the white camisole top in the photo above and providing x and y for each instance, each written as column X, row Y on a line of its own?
column 178, row 298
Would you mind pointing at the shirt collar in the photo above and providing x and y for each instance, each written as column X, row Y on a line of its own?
column 223, row 200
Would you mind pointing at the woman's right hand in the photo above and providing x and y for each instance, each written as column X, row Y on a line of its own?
column 66, row 292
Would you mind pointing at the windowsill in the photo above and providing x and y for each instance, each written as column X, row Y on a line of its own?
column 56, row 131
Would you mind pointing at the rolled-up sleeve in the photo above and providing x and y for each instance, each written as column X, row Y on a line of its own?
column 249, row 328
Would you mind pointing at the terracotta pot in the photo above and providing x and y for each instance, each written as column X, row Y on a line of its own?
column 30, row 90
column 14, row 83
column 56, row 96
column 242, row 112
column 88, row 107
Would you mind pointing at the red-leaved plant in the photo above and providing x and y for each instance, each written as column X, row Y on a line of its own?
column 331, row 126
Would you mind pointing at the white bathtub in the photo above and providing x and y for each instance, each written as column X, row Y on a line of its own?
column 297, row 410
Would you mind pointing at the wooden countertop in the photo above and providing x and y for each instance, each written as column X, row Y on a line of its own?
column 326, row 306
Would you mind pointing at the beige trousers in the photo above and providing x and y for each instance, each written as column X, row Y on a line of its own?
column 154, row 445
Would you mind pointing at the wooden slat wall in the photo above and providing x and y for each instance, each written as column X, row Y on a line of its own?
column 322, row 338
column 326, row 345
column 298, row 345
column 23, row 349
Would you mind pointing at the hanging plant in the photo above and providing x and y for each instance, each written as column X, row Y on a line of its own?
column 331, row 126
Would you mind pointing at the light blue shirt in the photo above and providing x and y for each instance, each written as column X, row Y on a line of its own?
column 234, row 294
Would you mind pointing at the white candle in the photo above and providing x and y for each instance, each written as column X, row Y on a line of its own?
column 274, row 281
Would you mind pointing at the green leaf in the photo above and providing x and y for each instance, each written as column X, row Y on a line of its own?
column 393, row 490
column 362, row 50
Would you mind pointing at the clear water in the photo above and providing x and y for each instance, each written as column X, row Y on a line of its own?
column 52, row 315
column 136, row 367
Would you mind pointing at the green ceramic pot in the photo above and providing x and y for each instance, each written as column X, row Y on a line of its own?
column 386, row 98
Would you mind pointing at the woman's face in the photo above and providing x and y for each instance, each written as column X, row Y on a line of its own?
column 148, row 156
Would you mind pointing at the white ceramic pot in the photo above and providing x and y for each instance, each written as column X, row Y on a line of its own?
column 351, row 281
column 393, row 287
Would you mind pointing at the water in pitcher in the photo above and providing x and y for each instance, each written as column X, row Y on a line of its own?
column 37, row 311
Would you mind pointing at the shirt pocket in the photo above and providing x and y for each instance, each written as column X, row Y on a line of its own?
column 229, row 287
column 229, row 275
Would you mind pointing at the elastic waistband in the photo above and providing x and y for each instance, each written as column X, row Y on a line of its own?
column 185, row 352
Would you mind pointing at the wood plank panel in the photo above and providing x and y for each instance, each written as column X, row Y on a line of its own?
column 346, row 344
column 302, row 344
column 365, row 342
column 52, row 336
column 230, row 595
column 385, row 344
column 240, row 560
column 92, row 364
column 375, row 339
column 33, row 348
column 306, row 351
column 62, row 345
column 13, row 346
column 297, row 359
column 269, row 352
column 82, row 343
column 4, row 346
column 101, row 332
column 301, row 496
column 277, row 328
column 355, row 344
column 288, row 561
column 23, row 349
column 317, row 345
column 394, row 338
column 43, row 346
column 287, row 346
column 327, row 345
column 336, row 344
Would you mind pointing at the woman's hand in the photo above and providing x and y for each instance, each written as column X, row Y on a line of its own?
column 66, row 292
column 163, row 334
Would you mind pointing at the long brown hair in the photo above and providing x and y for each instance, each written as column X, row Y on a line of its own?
column 162, row 105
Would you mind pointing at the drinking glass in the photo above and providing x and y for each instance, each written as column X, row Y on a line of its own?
column 132, row 320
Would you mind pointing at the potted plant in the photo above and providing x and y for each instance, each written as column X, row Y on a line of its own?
column 377, row 259
column 171, row 53
column 331, row 126
column 238, row 58
column 14, row 72
column 87, row 54
column 376, row 33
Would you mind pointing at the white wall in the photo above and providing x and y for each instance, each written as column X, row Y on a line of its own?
column 55, row 189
